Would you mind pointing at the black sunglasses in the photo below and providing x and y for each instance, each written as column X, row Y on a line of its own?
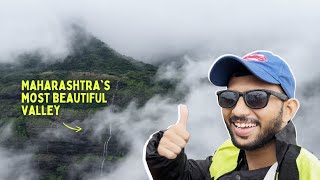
column 255, row 99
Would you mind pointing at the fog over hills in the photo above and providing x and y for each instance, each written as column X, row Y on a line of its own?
column 182, row 39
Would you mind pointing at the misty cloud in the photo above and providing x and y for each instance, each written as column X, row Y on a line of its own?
column 197, row 32
column 149, row 30
column 14, row 164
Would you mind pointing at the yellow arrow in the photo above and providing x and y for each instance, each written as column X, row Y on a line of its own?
column 77, row 128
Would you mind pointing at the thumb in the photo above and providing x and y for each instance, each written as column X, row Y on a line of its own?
column 183, row 115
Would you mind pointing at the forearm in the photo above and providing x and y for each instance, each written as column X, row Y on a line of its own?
column 179, row 168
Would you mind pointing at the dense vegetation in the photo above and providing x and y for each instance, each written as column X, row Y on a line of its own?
column 90, row 59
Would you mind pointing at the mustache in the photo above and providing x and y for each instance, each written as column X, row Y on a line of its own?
column 243, row 118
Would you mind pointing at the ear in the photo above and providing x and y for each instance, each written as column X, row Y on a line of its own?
column 291, row 106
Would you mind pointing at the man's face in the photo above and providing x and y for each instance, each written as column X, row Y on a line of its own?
column 260, row 124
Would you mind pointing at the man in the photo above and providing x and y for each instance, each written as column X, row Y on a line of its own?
column 257, row 107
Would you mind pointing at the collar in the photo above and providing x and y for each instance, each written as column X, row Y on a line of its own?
column 287, row 134
column 284, row 138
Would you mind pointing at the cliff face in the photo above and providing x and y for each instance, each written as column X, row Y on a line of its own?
column 59, row 153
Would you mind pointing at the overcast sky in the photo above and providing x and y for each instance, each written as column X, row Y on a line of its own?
column 197, row 31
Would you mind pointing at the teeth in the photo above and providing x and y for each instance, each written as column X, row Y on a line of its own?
column 243, row 125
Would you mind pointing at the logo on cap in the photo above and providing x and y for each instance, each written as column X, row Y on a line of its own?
column 255, row 57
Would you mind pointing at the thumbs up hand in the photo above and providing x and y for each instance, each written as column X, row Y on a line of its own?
column 175, row 138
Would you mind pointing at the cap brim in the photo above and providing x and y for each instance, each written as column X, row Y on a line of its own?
column 225, row 66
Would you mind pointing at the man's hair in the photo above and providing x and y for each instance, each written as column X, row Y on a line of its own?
column 241, row 71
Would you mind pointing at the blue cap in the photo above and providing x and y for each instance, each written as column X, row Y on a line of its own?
column 263, row 64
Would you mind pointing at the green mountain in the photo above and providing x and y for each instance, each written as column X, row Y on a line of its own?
column 91, row 59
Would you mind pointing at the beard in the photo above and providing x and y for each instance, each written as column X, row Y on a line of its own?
column 266, row 135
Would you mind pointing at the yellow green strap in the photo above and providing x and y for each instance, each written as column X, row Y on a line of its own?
column 224, row 160
column 308, row 166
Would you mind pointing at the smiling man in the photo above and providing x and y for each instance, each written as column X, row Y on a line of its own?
column 257, row 107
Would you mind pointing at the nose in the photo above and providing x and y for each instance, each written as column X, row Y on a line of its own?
column 241, row 109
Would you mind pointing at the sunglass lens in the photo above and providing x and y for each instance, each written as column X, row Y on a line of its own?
column 257, row 99
column 228, row 99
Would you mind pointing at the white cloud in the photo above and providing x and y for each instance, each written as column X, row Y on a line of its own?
column 150, row 31
column 14, row 164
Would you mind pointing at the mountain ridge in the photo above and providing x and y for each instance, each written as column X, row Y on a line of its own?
column 90, row 58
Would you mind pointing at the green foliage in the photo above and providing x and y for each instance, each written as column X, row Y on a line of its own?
column 90, row 60
column 113, row 158
column 61, row 170
column 20, row 129
column 51, row 177
column 87, row 158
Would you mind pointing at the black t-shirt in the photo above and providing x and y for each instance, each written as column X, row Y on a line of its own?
column 257, row 174
column 242, row 173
